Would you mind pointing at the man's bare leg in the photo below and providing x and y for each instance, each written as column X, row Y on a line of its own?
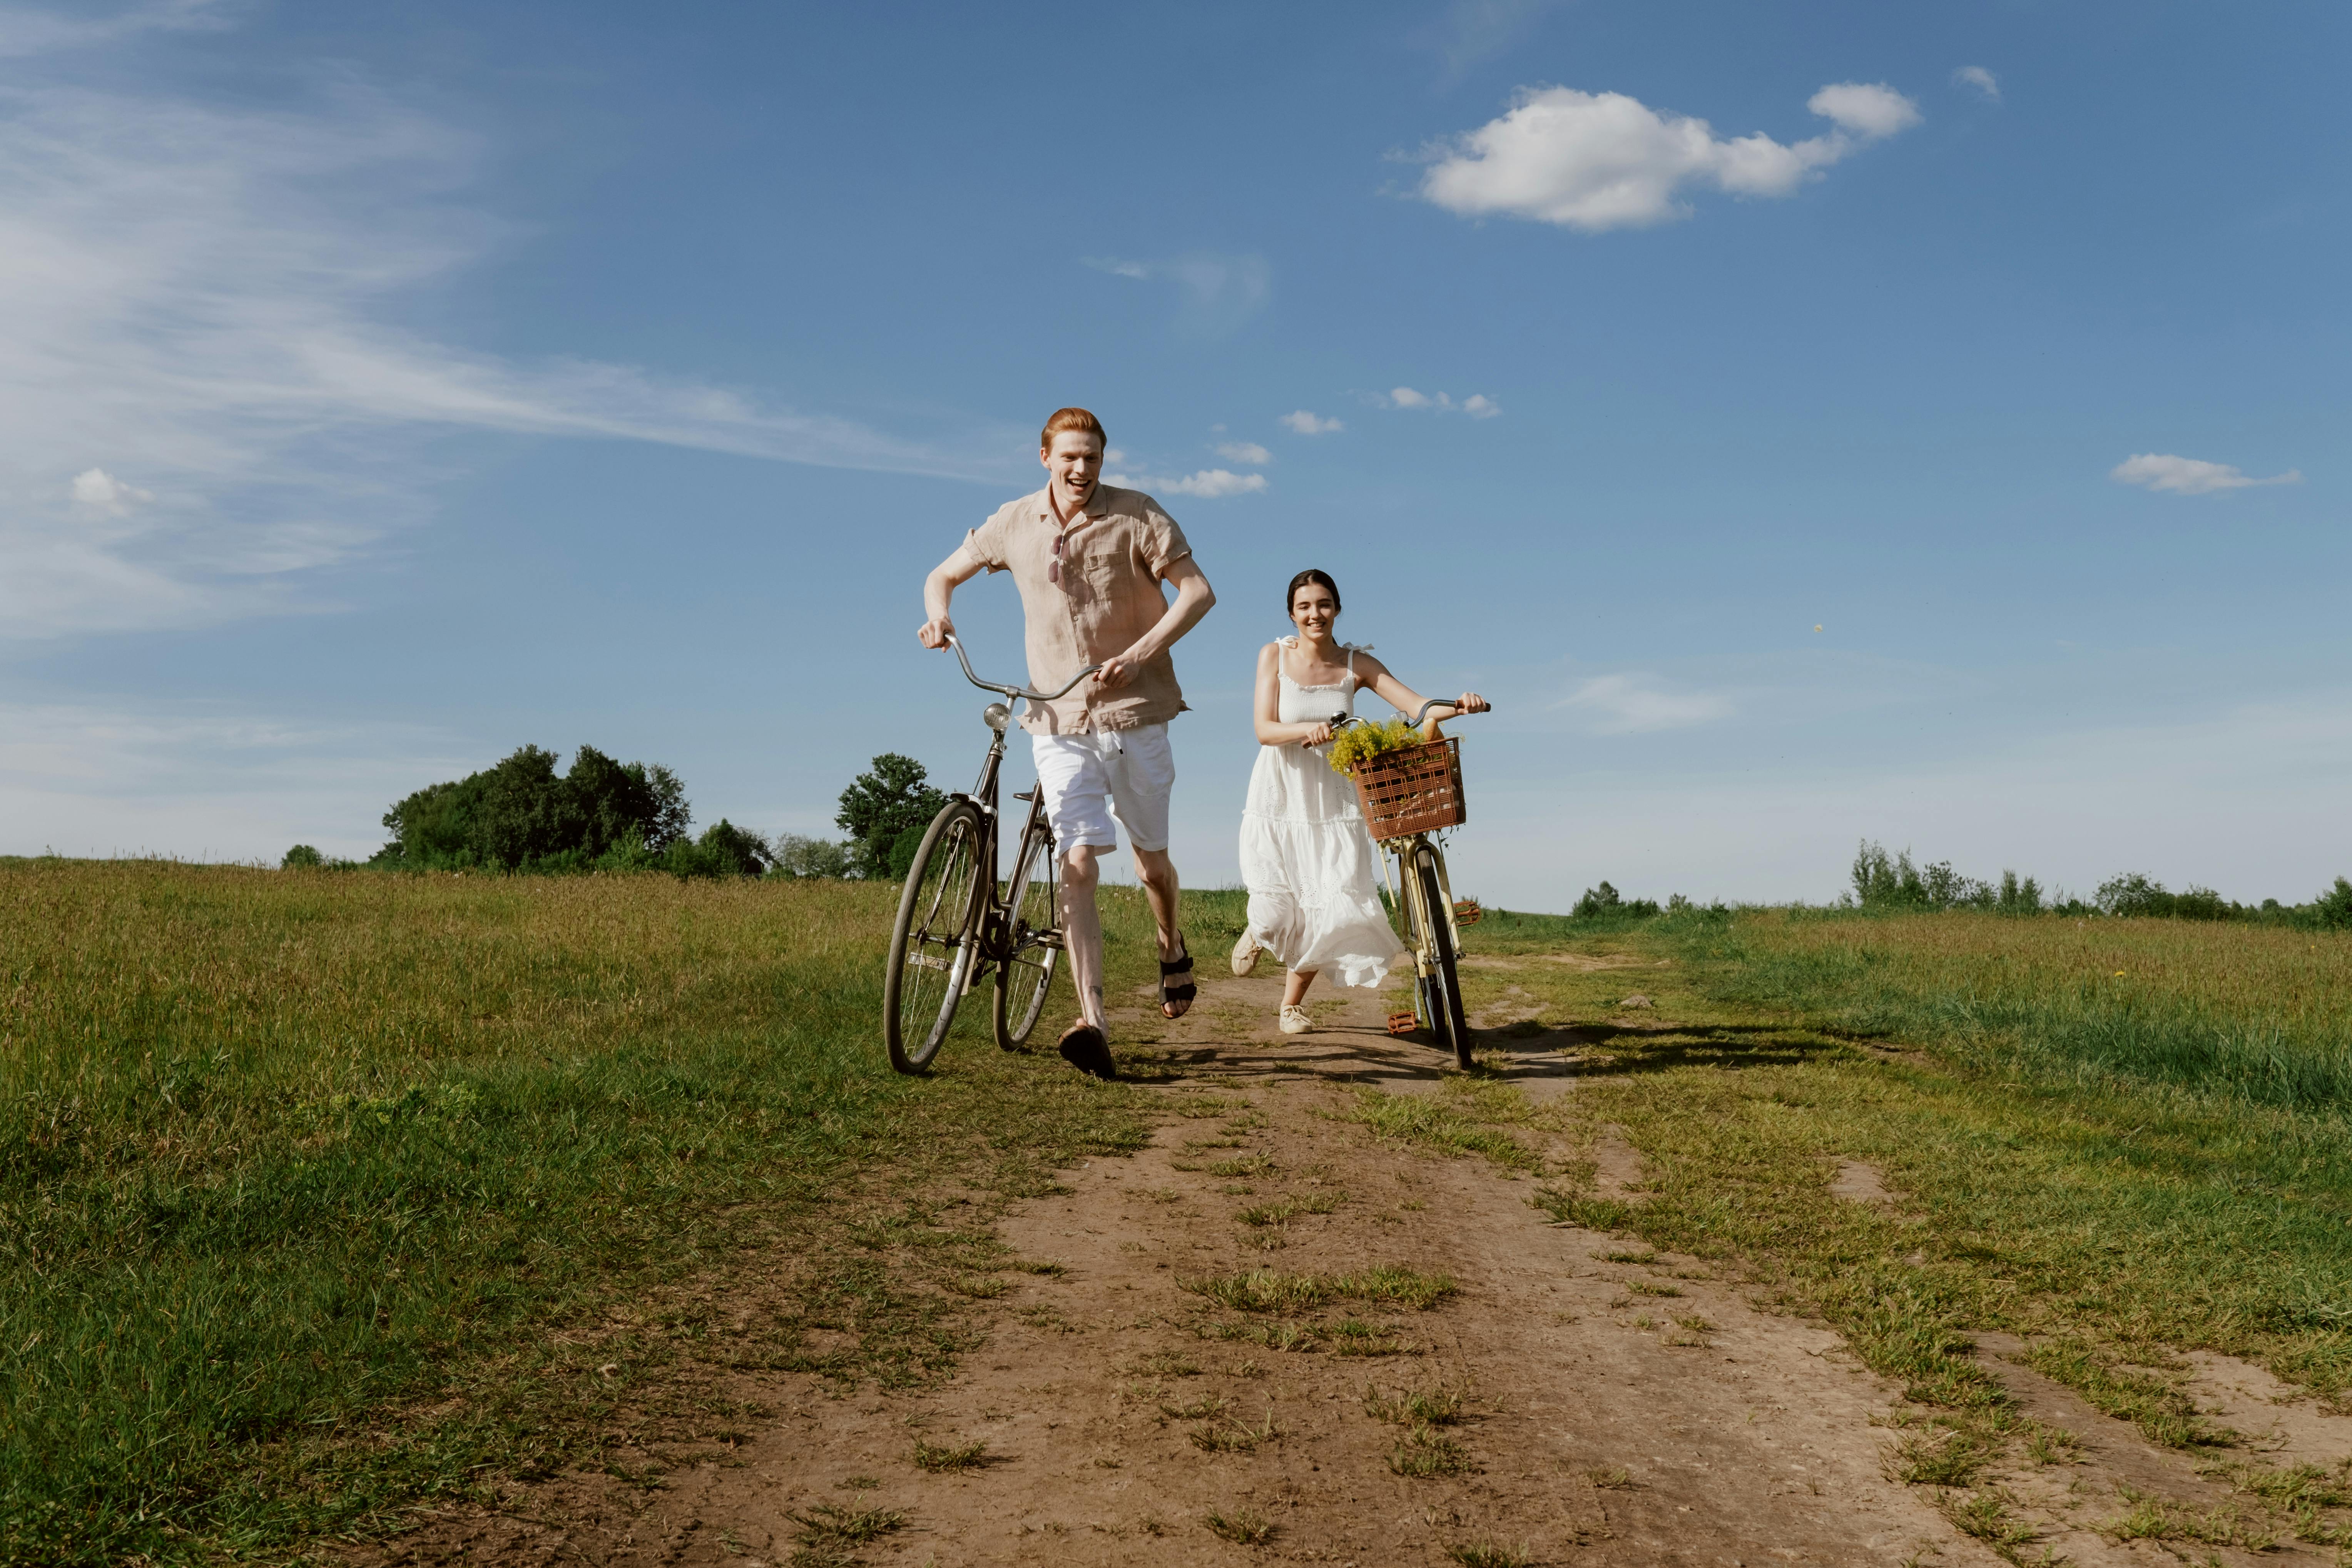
column 1156, row 873
column 1082, row 931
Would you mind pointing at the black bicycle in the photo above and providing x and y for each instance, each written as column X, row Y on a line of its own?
column 956, row 927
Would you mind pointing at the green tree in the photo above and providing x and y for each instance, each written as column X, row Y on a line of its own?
column 522, row 814
column 881, row 807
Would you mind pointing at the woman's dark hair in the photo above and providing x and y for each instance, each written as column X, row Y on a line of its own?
column 1322, row 579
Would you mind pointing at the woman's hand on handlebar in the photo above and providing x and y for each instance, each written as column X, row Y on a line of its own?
column 935, row 633
column 1315, row 734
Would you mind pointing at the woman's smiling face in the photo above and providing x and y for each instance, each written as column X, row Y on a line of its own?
column 1313, row 609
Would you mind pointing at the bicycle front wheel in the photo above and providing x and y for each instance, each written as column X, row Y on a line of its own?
column 935, row 941
column 1444, row 980
column 1032, row 939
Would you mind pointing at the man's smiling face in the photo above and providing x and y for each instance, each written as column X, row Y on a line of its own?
column 1075, row 460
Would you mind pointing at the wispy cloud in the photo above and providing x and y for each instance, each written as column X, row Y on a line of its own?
column 1216, row 293
column 1475, row 31
column 1977, row 77
column 27, row 31
column 1299, row 422
column 1479, row 406
column 199, row 365
column 1248, row 452
column 1628, row 704
column 2188, row 476
column 1600, row 161
column 205, row 780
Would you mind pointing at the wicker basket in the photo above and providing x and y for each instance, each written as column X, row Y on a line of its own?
column 1414, row 789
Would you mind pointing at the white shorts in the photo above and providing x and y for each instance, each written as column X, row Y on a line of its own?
column 1090, row 779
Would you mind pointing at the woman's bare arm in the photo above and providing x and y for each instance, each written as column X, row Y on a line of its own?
column 1404, row 698
column 1266, row 711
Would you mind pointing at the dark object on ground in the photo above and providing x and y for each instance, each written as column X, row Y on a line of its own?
column 1084, row 1048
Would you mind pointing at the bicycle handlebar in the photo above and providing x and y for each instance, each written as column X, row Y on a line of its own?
column 1015, row 690
column 1341, row 721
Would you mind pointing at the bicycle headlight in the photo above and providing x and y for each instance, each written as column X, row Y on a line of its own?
column 996, row 715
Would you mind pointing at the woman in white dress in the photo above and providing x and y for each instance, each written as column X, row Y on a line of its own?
column 1305, row 856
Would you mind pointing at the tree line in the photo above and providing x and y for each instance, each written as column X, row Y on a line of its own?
column 521, row 816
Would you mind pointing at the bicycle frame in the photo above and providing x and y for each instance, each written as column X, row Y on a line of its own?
column 995, row 935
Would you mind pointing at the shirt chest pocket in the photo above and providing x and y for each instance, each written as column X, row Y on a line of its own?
column 1103, row 572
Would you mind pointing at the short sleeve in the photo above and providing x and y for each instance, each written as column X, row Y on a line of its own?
column 984, row 545
column 1163, row 543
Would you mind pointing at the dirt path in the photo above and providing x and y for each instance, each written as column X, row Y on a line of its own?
column 1613, row 1408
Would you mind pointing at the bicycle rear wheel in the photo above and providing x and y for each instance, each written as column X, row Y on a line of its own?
column 1032, row 939
column 935, row 939
column 1445, row 981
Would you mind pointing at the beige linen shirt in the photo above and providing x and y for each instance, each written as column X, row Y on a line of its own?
column 1113, row 559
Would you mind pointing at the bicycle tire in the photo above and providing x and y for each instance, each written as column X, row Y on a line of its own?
column 1032, row 911
column 934, row 940
column 1446, row 980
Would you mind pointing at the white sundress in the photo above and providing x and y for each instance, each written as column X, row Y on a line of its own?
column 1306, row 857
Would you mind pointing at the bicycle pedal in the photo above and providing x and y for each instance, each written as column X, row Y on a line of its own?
column 1403, row 1023
column 1467, row 912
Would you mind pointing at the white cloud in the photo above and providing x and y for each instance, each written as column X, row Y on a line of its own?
column 1600, row 161
column 1300, row 422
column 101, row 491
column 1977, row 77
column 1208, row 484
column 207, row 298
column 1479, row 406
column 1248, row 452
column 1633, row 704
column 2188, row 476
column 1869, row 110
column 1217, row 292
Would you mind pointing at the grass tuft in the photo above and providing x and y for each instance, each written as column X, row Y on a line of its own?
column 1424, row 1453
column 950, row 1459
column 1241, row 1526
column 1271, row 1291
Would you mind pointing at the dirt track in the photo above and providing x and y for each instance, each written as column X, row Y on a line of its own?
column 1614, row 1411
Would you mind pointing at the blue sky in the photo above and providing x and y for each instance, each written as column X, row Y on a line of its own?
column 389, row 386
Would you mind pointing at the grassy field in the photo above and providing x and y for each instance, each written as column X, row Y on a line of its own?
column 2080, row 1157
column 320, row 1193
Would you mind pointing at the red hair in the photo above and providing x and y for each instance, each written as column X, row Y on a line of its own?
column 1076, row 419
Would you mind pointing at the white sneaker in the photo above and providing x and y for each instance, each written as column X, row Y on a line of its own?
column 1295, row 1021
column 1245, row 953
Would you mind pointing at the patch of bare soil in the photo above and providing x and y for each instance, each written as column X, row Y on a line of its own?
column 1580, row 1399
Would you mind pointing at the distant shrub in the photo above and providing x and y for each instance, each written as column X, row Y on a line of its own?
column 1604, row 902
column 794, row 856
column 2133, row 894
column 1884, row 881
column 2332, row 911
column 302, row 857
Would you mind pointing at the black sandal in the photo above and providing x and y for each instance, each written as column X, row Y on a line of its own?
column 1172, row 994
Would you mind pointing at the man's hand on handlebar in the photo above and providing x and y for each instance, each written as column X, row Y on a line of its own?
column 935, row 633
column 1116, row 672
column 1471, row 702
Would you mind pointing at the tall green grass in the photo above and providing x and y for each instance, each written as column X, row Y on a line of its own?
column 2259, row 1014
column 316, row 1190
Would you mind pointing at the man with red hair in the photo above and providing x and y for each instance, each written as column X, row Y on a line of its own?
column 1091, row 561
